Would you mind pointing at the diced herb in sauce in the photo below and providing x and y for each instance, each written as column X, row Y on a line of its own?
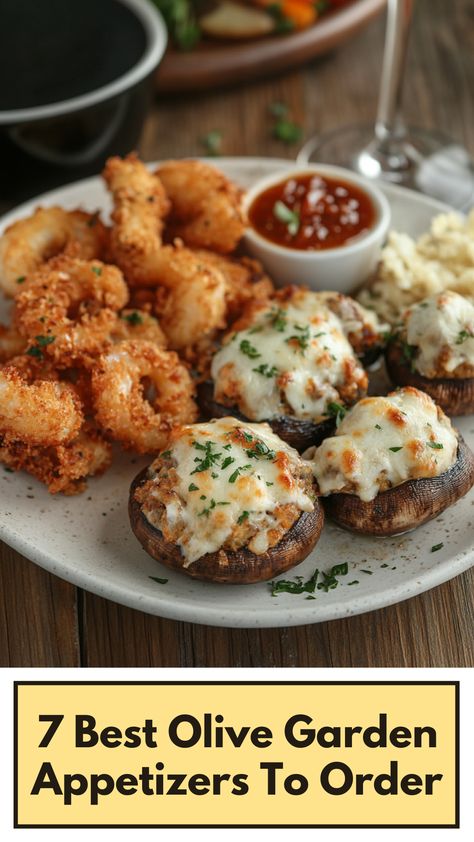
column 284, row 214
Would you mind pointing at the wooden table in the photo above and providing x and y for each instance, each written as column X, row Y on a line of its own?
column 47, row 622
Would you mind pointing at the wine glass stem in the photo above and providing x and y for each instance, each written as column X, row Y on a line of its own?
column 389, row 124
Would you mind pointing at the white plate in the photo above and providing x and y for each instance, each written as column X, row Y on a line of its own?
column 88, row 541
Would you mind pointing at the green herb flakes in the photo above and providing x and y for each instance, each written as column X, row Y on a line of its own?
column 265, row 370
column 290, row 217
column 133, row 318
column 212, row 143
column 249, row 350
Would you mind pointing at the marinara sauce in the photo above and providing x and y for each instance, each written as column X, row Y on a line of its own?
column 312, row 212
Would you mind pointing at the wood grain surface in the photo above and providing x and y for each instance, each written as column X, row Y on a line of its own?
column 47, row 622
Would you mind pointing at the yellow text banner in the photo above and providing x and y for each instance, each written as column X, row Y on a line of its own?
column 237, row 754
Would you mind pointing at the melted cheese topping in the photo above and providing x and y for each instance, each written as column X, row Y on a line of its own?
column 442, row 329
column 383, row 442
column 289, row 360
column 229, row 474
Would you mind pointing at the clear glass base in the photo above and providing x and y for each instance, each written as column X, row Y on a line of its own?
column 417, row 158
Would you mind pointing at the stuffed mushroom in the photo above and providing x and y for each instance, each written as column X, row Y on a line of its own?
column 289, row 361
column 394, row 463
column 227, row 502
column 434, row 351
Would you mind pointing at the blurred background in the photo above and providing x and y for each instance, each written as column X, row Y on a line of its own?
column 81, row 81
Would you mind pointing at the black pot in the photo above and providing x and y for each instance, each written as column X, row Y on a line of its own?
column 100, row 57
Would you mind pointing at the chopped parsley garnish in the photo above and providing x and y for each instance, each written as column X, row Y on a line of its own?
column 266, row 371
column 34, row 351
column 242, row 517
column 133, row 318
column 278, row 319
column 378, row 427
column 212, row 505
column 233, row 477
column 354, row 582
column 436, row 547
column 436, row 445
column 21, row 279
column 249, row 350
column 260, row 450
column 166, row 454
column 396, row 449
column 227, row 447
column 302, row 339
column 290, row 217
column 408, row 354
column 329, row 582
column 287, row 131
column 212, row 142
column 192, row 487
column 462, row 336
column 369, row 572
column 298, row 586
column 157, row 579
column 340, row 569
column 336, row 410
column 97, row 270
column 44, row 340
column 227, row 461
column 209, row 459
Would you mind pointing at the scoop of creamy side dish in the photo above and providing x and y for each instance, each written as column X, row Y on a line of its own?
column 293, row 357
column 411, row 270
column 440, row 334
column 383, row 442
column 227, row 485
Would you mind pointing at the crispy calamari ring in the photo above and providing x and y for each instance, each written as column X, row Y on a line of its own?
column 140, row 206
column 63, row 468
column 194, row 304
column 69, row 309
column 120, row 381
column 138, row 324
column 30, row 242
column 45, row 412
column 205, row 205
column 245, row 278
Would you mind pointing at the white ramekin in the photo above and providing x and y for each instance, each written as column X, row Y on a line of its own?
column 342, row 268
